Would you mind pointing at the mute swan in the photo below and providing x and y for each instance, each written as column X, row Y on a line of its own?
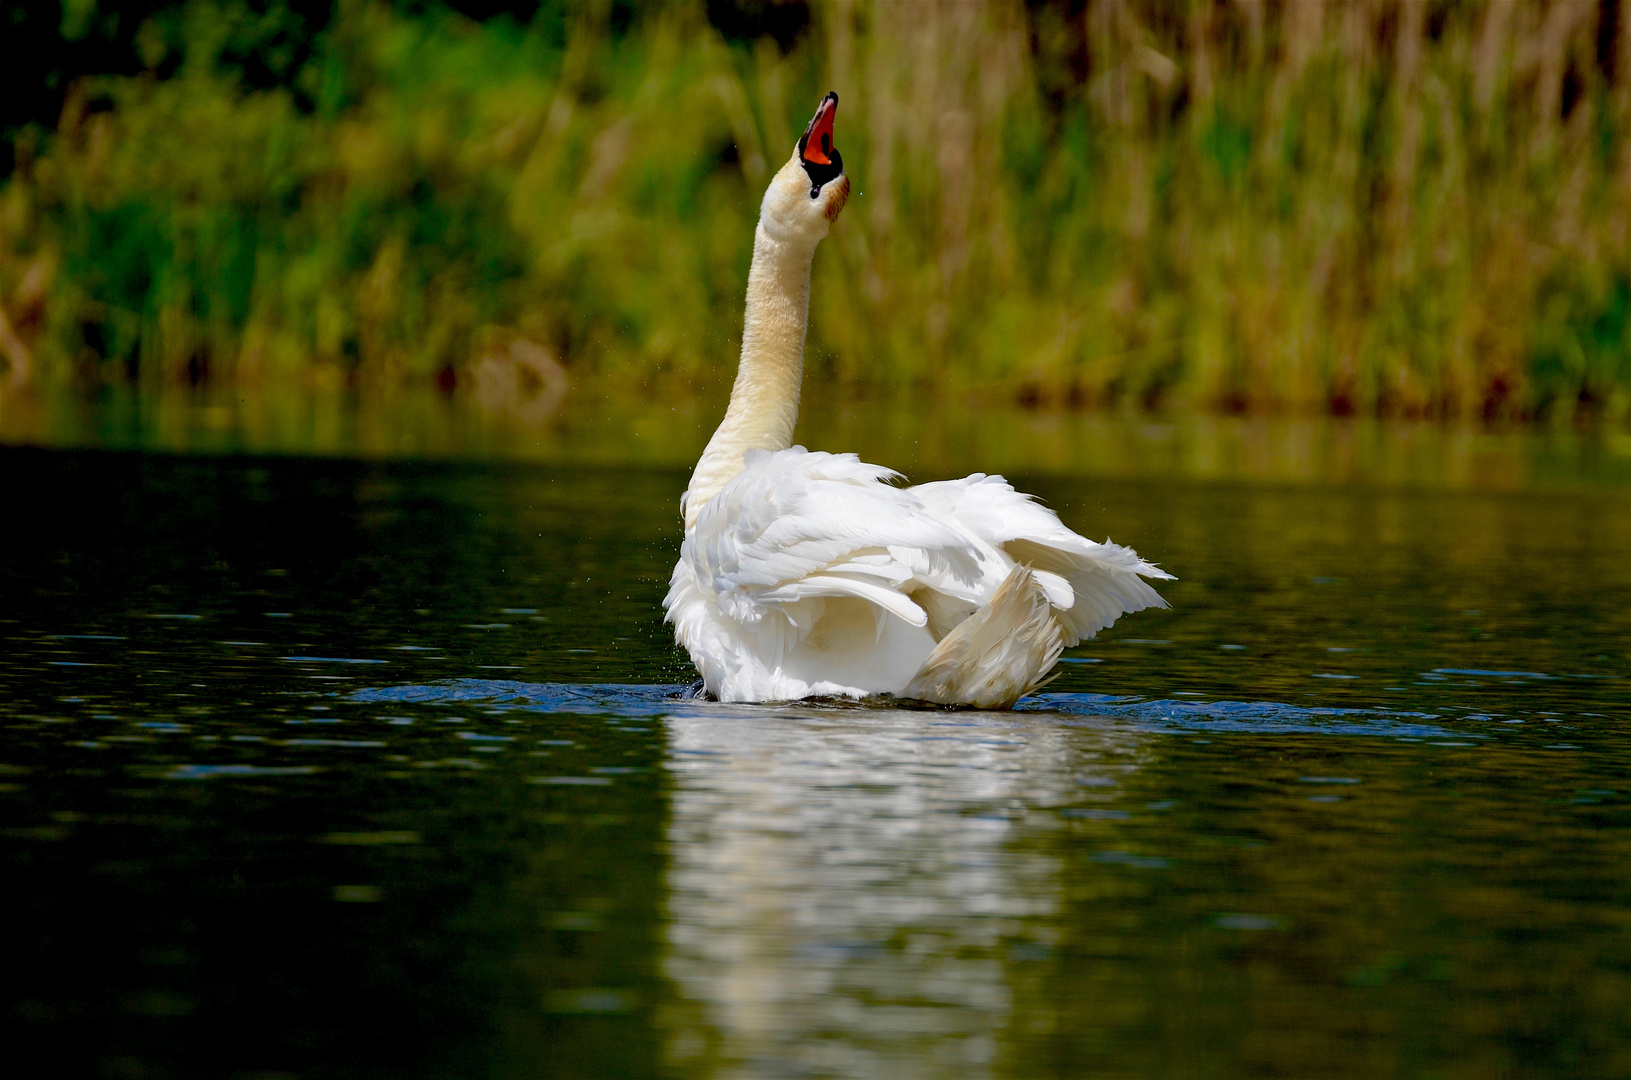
column 808, row 574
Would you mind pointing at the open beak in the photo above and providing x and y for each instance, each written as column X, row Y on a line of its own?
column 821, row 160
column 816, row 145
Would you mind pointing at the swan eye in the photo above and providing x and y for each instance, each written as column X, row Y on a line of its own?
column 815, row 193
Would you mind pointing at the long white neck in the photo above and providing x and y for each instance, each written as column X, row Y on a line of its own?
column 765, row 400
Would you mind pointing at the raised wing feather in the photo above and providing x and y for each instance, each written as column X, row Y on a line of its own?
column 793, row 514
column 840, row 584
column 1105, row 581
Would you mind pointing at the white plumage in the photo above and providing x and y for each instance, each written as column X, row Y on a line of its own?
column 811, row 574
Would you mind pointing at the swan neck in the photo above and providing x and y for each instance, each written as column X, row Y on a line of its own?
column 765, row 398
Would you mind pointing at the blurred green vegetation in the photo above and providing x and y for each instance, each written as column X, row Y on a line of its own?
column 1416, row 209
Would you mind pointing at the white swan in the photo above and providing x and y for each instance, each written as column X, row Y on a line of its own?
column 808, row 574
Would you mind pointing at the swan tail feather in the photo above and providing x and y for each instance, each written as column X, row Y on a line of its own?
column 997, row 655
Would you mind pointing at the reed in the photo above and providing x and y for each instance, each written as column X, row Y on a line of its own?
column 1384, row 208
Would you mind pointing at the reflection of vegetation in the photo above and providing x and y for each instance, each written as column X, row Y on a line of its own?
column 1413, row 209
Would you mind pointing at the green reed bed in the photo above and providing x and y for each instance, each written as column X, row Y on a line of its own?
column 1413, row 209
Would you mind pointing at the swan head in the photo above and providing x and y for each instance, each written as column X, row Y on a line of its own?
column 807, row 193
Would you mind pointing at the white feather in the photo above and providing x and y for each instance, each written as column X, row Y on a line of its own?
column 810, row 573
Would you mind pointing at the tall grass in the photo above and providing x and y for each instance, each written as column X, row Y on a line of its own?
column 1396, row 208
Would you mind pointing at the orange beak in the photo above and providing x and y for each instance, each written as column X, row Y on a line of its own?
column 816, row 146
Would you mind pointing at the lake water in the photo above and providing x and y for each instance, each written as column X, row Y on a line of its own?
column 327, row 768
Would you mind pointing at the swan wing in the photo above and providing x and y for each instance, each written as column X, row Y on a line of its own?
column 803, row 575
column 1090, row 584
column 796, row 525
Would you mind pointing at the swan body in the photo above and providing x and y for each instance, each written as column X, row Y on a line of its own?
column 806, row 574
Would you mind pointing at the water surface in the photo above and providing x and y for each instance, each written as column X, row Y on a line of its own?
column 329, row 768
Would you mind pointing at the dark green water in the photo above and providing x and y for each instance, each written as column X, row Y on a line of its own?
column 328, row 769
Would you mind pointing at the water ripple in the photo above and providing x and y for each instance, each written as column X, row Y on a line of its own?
column 1269, row 717
column 1240, row 716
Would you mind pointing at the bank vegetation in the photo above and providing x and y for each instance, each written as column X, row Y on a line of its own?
column 1418, row 209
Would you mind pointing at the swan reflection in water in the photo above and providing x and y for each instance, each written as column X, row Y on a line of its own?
column 849, row 888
